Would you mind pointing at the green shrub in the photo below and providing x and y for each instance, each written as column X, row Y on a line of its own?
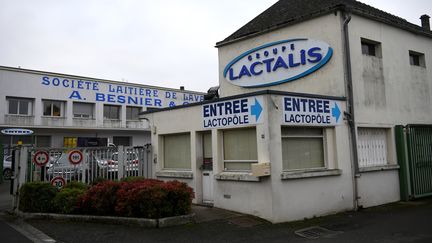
column 76, row 185
column 98, row 180
column 133, row 179
column 67, row 200
column 37, row 197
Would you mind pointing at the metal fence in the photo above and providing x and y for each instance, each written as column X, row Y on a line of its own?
column 82, row 164
column 414, row 150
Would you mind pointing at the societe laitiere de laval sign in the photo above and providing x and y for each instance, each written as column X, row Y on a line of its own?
column 278, row 62
column 304, row 111
column 233, row 113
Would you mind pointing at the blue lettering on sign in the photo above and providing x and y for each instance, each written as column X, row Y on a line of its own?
column 120, row 94
column 310, row 111
column 311, row 55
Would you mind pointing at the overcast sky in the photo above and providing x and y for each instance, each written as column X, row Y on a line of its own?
column 165, row 43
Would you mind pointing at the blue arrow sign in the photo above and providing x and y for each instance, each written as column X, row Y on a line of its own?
column 256, row 109
column 336, row 112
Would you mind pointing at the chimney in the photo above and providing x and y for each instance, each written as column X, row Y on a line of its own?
column 425, row 21
column 181, row 87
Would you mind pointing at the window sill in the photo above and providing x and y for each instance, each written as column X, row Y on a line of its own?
column 83, row 118
column 379, row 168
column 236, row 176
column 288, row 175
column 175, row 174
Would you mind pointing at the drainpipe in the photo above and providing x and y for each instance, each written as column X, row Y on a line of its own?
column 349, row 114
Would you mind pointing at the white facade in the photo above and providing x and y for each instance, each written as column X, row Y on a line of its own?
column 388, row 90
column 61, row 108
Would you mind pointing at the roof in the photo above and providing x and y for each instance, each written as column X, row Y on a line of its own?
column 287, row 12
column 32, row 71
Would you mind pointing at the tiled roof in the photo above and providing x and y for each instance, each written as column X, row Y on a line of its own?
column 286, row 12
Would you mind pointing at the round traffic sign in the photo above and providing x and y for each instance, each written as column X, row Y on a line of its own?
column 59, row 182
column 41, row 158
column 75, row 157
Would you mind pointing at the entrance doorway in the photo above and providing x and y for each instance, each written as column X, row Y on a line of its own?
column 207, row 168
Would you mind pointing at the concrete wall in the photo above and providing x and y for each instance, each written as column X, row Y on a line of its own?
column 328, row 80
column 272, row 198
column 40, row 86
column 388, row 91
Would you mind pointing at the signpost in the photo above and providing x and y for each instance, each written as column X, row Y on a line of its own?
column 40, row 158
column 75, row 157
column 59, row 182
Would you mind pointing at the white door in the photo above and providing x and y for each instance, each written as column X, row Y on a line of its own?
column 207, row 178
column 207, row 169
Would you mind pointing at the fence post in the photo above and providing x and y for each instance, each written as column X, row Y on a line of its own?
column 403, row 161
column 21, row 156
column 121, row 161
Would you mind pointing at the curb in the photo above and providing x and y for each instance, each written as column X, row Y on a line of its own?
column 143, row 222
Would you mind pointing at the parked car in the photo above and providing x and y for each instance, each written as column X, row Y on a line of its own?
column 7, row 167
column 60, row 166
column 130, row 165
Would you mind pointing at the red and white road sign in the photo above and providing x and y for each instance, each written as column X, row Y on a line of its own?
column 59, row 182
column 41, row 158
column 75, row 157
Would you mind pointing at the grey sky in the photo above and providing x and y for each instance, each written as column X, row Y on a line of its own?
column 165, row 42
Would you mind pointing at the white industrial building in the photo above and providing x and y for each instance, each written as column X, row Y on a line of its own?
column 310, row 94
column 69, row 111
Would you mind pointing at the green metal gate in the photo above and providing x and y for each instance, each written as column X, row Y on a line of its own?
column 414, row 151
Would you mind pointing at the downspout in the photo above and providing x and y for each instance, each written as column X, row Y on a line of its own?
column 349, row 114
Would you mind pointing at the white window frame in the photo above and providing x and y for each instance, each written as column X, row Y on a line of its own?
column 84, row 116
column 19, row 100
column 238, row 160
column 362, row 147
column 324, row 139
column 119, row 112
column 132, row 107
column 164, row 152
column 62, row 108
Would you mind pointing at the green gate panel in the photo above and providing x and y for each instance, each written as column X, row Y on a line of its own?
column 419, row 143
column 404, row 181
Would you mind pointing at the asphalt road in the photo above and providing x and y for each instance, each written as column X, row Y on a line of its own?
column 399, row 222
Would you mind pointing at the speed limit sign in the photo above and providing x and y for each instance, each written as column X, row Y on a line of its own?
column 58, row 181
column 75, row 157
column 41, row 158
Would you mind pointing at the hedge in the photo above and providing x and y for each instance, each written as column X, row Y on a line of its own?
column 133, row 197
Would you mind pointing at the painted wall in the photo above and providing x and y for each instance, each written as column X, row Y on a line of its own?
column 38, row 86
column 328, row 80
column 388, row 91
column 272, row 198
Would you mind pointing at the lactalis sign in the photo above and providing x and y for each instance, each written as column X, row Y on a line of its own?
column 278, row 62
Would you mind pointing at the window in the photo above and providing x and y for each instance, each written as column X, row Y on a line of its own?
column 112, row 112
column 177, row 151
column 20, row 106
column 83, row 110
column 70, row 142
column 132, row 113
column 53, row 108
column 121, row 140
column 372, row 146
column 416, row 59
column 302, row 148
column 43, row 141
column 370, row 48
column 240, row 149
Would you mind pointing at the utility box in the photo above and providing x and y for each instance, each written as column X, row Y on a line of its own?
column 261, row 169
